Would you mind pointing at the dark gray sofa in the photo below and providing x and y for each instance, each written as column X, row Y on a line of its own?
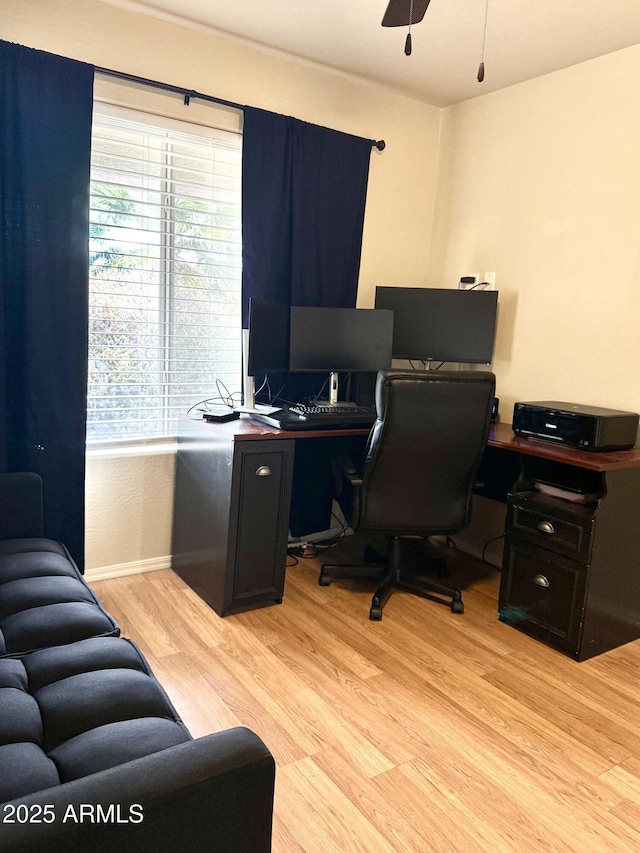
column 93, row 756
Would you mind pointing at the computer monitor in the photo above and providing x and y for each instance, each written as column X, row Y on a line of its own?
column 440, row 324
column 339, row 339
column 265, row 347
column 268, row 337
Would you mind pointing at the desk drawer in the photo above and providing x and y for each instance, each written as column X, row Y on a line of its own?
column 552, row 523
column 259, row 516
column 543, row 594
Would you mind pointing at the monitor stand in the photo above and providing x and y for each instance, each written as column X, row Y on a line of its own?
column 249, row 405
column 333, row 394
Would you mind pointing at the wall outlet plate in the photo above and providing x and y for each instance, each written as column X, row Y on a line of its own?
column 490, row 278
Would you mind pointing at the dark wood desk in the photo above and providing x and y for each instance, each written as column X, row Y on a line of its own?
column 246, row 429
column 232, row 507
column 571, row 572
column 502, row 436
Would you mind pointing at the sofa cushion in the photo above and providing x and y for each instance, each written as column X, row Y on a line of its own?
column 44, row 600
column 77, row 709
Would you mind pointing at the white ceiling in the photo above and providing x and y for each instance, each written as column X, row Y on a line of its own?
column 525, row 38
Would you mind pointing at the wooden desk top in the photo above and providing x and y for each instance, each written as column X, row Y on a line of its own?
column 246, row 429
column 501, row 436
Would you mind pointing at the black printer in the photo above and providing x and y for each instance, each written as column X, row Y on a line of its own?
column 576, row 425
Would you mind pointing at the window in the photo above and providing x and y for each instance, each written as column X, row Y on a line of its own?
column 165, row 272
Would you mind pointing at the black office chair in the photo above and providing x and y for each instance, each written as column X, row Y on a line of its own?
column 419, row 473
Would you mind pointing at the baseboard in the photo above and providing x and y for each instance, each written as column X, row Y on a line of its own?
column 120, row 570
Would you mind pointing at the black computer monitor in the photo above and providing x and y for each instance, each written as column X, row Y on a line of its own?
column 336, row 340
column 440, row 324
column 346, row 339
column 268, row 337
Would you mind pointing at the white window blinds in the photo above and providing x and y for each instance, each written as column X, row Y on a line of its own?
column 165, row 273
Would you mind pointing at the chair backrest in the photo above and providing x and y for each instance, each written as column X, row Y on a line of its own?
column 424, row 449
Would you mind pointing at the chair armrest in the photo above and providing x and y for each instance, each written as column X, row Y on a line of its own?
column 21, row 514
column 348, row 486
column 347, row 469
column 214, row 793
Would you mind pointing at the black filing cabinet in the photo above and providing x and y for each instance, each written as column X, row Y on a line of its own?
column 571, row 571
column 231, row 512
column 545, row 571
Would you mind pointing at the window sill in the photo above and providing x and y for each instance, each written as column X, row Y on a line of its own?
column 131, row 447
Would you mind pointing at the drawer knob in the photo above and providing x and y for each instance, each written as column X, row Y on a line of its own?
column 546, row 527
column 263, row 471
column 541, row 580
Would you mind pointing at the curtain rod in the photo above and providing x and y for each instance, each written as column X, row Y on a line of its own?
column 191, row 93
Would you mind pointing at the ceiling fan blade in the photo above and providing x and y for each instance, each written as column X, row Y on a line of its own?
column 398, row 11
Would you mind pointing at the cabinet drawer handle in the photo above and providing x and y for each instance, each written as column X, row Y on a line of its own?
column 263, row 471
column 541, row 580
column 546, row 527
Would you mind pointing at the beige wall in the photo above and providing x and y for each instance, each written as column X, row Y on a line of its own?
column 129, row 498
column 540, row 183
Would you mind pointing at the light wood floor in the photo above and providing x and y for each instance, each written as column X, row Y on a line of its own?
column 424, row 732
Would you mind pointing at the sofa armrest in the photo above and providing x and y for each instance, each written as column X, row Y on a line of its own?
column 214, row 793
column 20, row 506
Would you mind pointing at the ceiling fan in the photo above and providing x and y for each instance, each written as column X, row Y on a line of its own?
column 405, row 13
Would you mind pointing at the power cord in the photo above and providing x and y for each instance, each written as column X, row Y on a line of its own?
column 232, row 399
column 213, row 401
column 451, row 543
column 486, row 545
column 310, row 550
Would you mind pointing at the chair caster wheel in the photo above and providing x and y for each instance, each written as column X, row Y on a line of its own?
column 375, row 614
column 457, row 607
column 324, row 580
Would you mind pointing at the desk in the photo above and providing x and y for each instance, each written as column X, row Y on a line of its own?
column 571, row 572
column 234, row 483
column 232, row 509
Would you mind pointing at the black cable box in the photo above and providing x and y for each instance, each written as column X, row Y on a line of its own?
column 220, row 414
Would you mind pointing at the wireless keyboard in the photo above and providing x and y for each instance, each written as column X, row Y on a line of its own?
column 302, row 416
column 305, row 410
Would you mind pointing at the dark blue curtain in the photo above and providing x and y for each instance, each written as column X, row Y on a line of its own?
column 45, row 144
column 304, row 190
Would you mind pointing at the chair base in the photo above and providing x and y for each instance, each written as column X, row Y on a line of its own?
column 417, row 585
column 395, row 577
